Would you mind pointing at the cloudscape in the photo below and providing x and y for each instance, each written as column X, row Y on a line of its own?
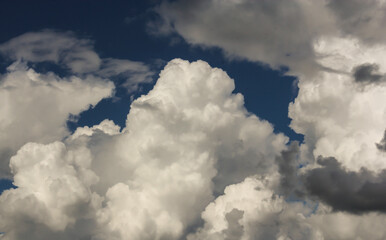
column 193, row 120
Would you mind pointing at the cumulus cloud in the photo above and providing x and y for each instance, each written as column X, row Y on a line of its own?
column 192, row 162
column 172, row 165
column 250, row 210
column 154, row 178
column 26, row 95
column 337, row 117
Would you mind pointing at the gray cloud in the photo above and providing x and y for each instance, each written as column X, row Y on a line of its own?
column 345, row 190
column 235, row 230
column 276, row 33
column 367, row 73
column 362, row 19
column 272, row 32
column 288, row 167
column 382, row 144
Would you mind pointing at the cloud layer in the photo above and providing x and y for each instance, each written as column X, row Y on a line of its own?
column 278, row 33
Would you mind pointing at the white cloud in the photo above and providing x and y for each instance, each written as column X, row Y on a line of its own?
column 153, row 179
column 35, row 107
column 184, row 142
column 190, row 138
column 251, row 210
column 339, row 116
column 324, row 43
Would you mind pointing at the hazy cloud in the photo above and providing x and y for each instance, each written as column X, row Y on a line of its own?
column 49, row 95
column 59, row 47
column 133, row 72
column 76, row 55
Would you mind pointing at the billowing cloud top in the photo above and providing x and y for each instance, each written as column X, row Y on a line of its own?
column 184, row 141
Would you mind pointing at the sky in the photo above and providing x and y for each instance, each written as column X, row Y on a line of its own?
column 193, row 119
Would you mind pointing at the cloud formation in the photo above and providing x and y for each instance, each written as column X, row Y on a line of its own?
column 336, row 48
column 192, row 162
column 180, row 142
column 26, row 96
column 50, row 94
column 172, row 165
column 338, row 117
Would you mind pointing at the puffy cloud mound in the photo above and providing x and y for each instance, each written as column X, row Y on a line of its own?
column 250, row 210
column 191, row 163
column 184, row 142
column 36, row 106
column 337, row 51
column 339, row 116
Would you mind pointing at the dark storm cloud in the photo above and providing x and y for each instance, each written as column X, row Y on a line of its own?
column 288, row 167
column 367, row 73
column 382, row 144
column 344, row 190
